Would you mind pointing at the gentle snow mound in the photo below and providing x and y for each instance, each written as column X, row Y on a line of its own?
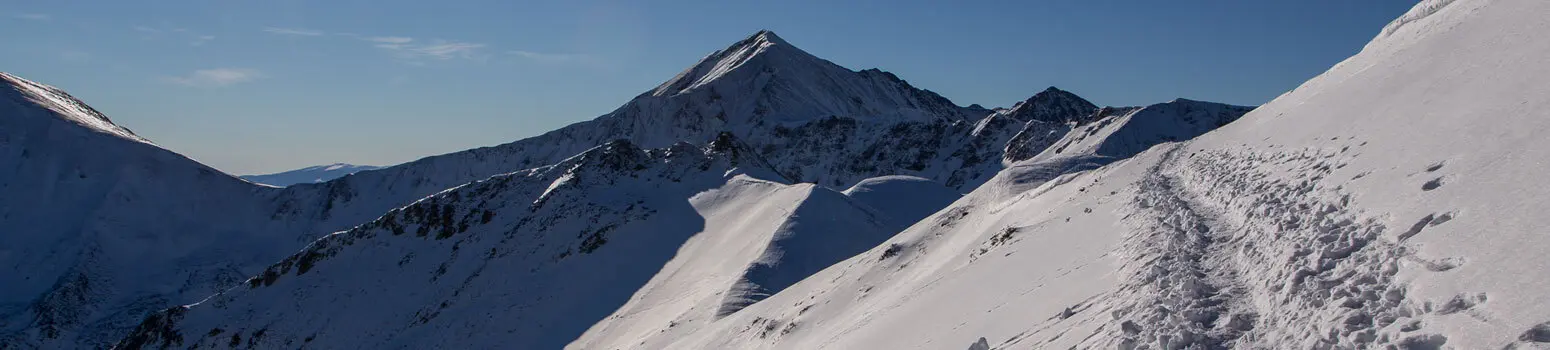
column 902, row 199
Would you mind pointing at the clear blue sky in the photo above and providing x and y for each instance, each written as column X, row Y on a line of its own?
column 264, row 86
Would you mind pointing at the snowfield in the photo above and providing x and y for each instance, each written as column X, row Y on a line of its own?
column 766, row 198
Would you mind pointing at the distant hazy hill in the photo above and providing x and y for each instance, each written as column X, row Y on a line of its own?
column 319, row 173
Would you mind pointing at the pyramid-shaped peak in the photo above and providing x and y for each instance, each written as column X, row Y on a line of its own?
column 768, row 37
column 1052, row 105
column 747, row 52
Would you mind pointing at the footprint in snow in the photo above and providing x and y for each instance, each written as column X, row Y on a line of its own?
column 1430, row 220
column 1432, row 185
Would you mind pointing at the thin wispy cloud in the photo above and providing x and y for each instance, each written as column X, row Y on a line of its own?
column 172, row 32
column 33, row 16
column 293, row 31
column 553, row 57
column 415, row 51
column 439, row 49
column 390, row 39
column 217, row 77
column 202, row 39
column 448, row 50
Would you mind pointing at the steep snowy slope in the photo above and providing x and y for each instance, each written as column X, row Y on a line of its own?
column 781, row 235
column 101, row 227
column 533, row 258
column 311, row 174
column 1389, row 203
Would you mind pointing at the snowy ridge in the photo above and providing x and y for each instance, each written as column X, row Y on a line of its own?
column 1420, row 11
column 25, row 92
column 1118, row 133
column 721, row 62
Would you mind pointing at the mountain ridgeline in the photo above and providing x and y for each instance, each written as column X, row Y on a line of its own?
column 701, row 197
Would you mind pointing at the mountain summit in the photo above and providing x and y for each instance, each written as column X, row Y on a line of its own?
column 1053, row 105
column 760, row 45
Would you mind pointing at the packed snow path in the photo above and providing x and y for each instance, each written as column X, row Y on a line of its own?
column 1250, row 250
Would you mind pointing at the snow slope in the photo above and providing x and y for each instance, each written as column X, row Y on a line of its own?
column 1390, row 202
column 902, row 200
column 533, row 258
column 102, row 227
column 311, row 174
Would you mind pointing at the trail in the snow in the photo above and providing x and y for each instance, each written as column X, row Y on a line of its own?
column 1181, row 292
column 1244, row 249
column 1253, row 249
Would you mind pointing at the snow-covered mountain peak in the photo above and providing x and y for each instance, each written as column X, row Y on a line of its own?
column 742, row 53
column 1052, row 105
column 767, row 36
column 24, row 96
column 763, row 79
